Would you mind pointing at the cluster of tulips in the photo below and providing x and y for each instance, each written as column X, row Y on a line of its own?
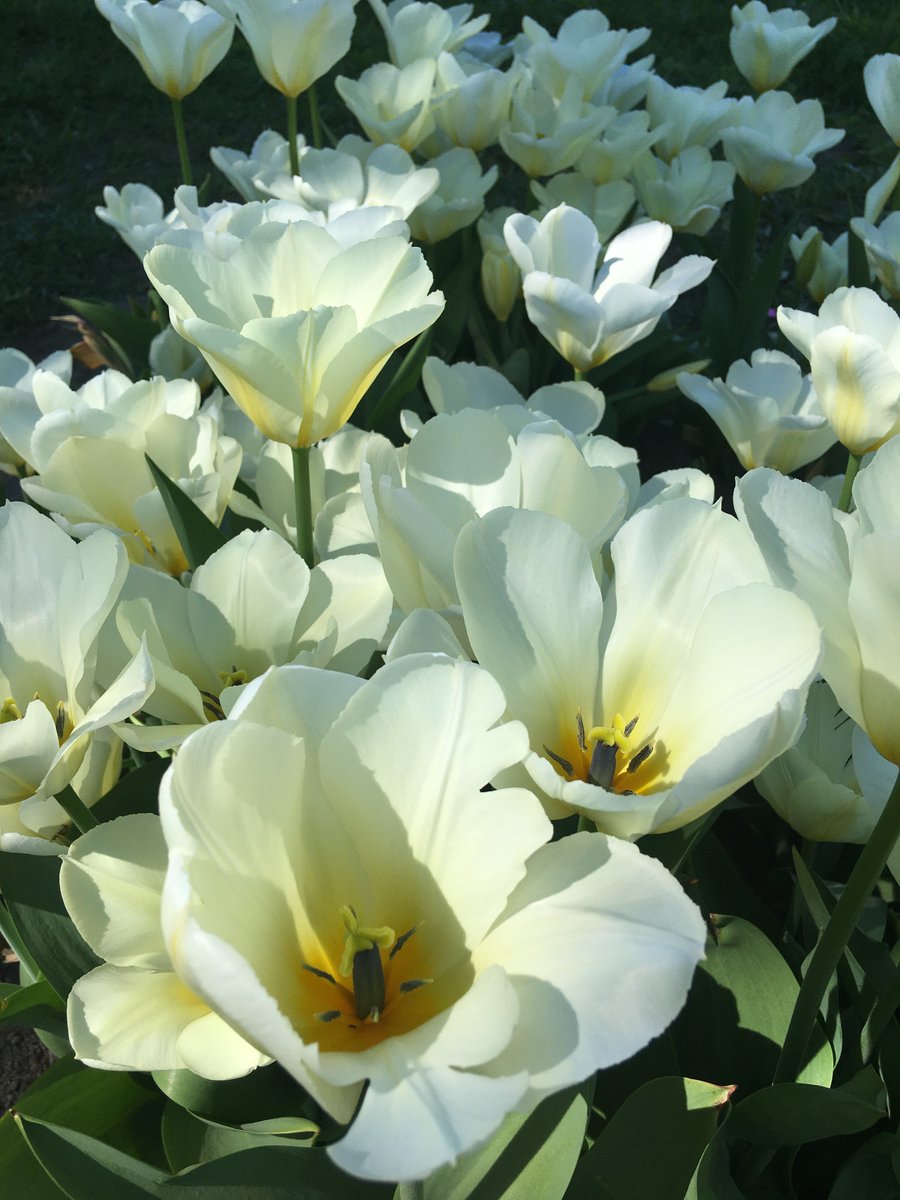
column 380, row 766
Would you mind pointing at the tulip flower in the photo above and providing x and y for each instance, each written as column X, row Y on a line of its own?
column 471, row 106
column 846, row 569
column 270, row 153
column 133, row 1013
column 882, row 250
column 501, row 281
column 853, row 346
column 294, row 42
column 882, row 80
column 547, row 133
column 253, row 604
column 588, row 313
column 688, row 192
column 772, row 143
column 832, row 785
column 766, row 410
column 89, row 448
column 462, row 465
column 766, row 46
column 688, row 116
column 380, row 921
column 613, row 155
column 340, row 524
column 585, row 51
column 393, row 104
column 420, row 30
column 177, row 42
column 294, row 326
column 643, row 708
column 19, row 410
column 821, row 267
column 54, row 717
column 607, row 204
column 458, row 200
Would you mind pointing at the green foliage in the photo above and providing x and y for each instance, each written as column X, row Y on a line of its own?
column 198, row 536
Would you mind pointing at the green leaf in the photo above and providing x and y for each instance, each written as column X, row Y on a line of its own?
column 265, row 1094
column 870, row 1174
column 34, row 1006
column 712, row 1179
column 738, row 1012
column 402, row 382
column 791, row 1114
column 30, row 887
column 528, row 1157
column 653, row 1143
column 23, row 1178
column 198, row 536
column 189, row 1140
column 136, row 792
column 130, row 334
column 121, row 1108
column 87, row 1169
column 271, row 1173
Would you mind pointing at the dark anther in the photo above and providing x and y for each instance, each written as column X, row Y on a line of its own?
column 557, row 758
column 641, row 757
column 579, row 723
column 60, row 721
column 321, row 974
column 630, row 726
column 331, row 1015
column 402, row 940
column 212, row 706
column 412, row 984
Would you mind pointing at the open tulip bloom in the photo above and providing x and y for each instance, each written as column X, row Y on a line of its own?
column 296, row 326
column 590, row 313
column 647, row 707
column 378, row 919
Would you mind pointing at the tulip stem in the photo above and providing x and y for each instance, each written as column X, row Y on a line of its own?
column 291, row 105
column 577, row 375
column 77, row 811
column 853, row 461
column 314, row 121
column 187, row 175
column 303, row 504
column 835, row 936
column 413, row 1189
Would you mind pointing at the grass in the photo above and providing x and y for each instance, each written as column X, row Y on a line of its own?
column 79, row 114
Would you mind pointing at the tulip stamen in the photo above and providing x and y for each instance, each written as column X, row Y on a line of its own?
column 402, row 940
column 331, row 1015
column 362, row 960
column 321, row 974
column 611, row 741
column 560, row 761
column 212, row 707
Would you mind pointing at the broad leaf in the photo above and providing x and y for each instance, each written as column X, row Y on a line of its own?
column 528, row 1157
column 30, row 887
column 198, row 536
column 653, row 1143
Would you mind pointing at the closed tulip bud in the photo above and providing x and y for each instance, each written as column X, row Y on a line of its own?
column 294, row 42
column 766, row 46
column 882, row 79
column 177, row 42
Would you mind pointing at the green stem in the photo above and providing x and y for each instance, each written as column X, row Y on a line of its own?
column 835, row 935
column 314, row 120
column 577, row 375
column 78, row 812
column 303, row 504
column 291, row 108
column 414, row 1189
column 853, row 462
column 187, row 175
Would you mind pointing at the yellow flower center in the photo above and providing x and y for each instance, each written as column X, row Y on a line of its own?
column 10, row 711
column 610, row 756
column 366, row 994
column 212, row 705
